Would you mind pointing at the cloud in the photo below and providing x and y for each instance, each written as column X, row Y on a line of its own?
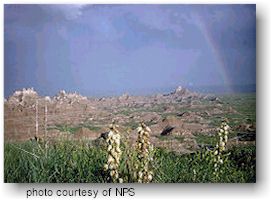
column 68, row 11
column 154, row 17
column 38, row 15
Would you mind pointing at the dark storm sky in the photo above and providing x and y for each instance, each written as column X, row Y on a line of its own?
column 112, row 49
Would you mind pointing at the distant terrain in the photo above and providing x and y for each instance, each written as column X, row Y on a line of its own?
column 180, row 120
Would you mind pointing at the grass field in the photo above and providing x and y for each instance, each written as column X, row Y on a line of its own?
column 244, row 104
column 68, row 161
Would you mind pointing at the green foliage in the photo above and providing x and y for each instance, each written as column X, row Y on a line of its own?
column 63, row 161
column 205, row 139
column 66, row 128
column 132, row 124
column 78, row 162
column 170, row 137
column 198, row 167
column 244, row 104
column 245, row 160
column 74, row 129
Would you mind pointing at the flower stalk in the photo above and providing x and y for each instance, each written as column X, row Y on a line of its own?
column 114, row 154
column 144, row 174
column 217, row 154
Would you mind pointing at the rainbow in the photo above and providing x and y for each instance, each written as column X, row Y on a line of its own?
column 215, row 49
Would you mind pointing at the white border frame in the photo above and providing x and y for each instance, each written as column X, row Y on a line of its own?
column 262, row 190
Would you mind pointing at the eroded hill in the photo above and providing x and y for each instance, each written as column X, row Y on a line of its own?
column 181, row 120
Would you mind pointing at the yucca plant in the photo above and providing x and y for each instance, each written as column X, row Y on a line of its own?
column 144, row 150
column 218, row 155
column 114, row 154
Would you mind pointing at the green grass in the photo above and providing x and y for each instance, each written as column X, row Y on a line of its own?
column 158, row 108
column 132, row 124
column 65, row 128
column 173, row 167
column 245, row 104
column 124, row 112
column 168, row 137
column 63, row 161
column 70, row 161
column 74, row 129
column 247, row 100
column 205, row 139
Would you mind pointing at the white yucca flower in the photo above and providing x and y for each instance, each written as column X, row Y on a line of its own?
column 114, row 154
column 144, row 150
column 217, row 155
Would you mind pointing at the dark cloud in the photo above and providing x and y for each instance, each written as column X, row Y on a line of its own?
column 121, row 42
